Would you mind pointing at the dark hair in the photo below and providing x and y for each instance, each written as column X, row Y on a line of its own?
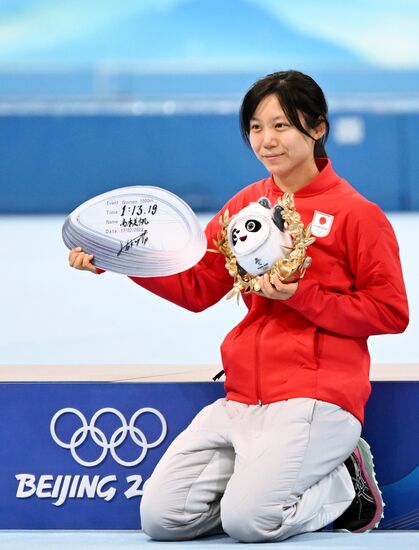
column 296, row 92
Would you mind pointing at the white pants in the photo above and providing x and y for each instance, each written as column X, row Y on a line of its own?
column 262, row 473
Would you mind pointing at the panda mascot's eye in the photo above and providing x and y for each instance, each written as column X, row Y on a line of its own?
column 253, row 226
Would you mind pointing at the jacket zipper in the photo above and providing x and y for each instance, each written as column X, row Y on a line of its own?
column 257, row 359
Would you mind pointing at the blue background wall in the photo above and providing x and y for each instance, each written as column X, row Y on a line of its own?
column 50, row 164
column 103, row 94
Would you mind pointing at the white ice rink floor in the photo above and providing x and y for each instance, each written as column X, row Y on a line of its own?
column 128, row 540
column 53, row 315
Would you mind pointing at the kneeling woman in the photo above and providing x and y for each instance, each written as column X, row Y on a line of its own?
column 281, row 454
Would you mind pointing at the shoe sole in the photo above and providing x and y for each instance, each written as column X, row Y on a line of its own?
column 366, row 464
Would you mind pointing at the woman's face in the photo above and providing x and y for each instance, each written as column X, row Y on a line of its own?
column 283, row 150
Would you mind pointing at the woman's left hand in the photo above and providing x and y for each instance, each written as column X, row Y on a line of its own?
column 272, row 287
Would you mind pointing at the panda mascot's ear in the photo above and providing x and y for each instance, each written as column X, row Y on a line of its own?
column 265, row 202
column 277, row 217
column 242, row 272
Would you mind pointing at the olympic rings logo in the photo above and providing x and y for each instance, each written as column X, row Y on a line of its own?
column 117, row 438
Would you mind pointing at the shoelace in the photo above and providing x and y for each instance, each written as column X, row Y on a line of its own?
column 361, row 487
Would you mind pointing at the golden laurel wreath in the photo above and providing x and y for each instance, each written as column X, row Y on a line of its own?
column 289, row 269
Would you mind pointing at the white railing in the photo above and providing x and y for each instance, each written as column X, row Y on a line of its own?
column 162, row 373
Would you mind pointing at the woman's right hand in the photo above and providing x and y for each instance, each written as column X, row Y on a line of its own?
column 81, row 260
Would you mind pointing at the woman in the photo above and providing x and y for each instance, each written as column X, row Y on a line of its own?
column 282, row 454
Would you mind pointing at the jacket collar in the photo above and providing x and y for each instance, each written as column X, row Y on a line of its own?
column 325, row 179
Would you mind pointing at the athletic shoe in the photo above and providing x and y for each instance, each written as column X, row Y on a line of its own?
column 366, row 509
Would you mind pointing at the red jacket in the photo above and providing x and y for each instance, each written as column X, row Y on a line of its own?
column 315, row 343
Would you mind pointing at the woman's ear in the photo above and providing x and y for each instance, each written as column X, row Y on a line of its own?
column 319, row 130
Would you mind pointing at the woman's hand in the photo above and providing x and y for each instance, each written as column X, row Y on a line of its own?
column 80, row 260
column 272, row 287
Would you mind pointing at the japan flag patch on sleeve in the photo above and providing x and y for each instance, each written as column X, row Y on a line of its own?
column 321, row 224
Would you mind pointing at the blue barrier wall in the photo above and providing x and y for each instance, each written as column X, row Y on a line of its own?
column 50, row 164
column 77, row 455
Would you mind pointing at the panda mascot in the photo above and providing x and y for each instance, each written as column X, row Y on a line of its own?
column 258, row 238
